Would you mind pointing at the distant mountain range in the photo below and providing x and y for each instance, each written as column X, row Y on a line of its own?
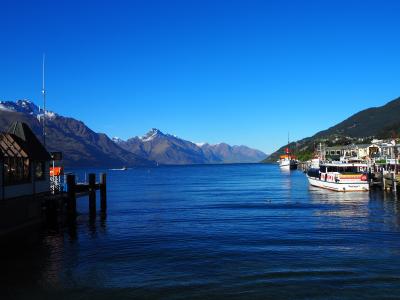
column 374, row 122
column 169, row 149
column 81, row 146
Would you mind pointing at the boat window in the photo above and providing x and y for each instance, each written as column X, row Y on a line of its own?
column 349, row 169
column 322, row 169
column 332, row 169
column 313, row 173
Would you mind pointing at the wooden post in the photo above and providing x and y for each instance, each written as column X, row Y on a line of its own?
column 92, row 193
column 103, row 191
column 394, row 183
column 383, row 181
column 71, row 201
column 369, row 175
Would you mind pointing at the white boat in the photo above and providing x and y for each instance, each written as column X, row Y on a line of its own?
column 340, row 176
column 121, row 169
column 287, row 161
column 314, row 163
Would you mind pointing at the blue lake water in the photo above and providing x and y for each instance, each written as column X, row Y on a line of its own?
column 216, row 232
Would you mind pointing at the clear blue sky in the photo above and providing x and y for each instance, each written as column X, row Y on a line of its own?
column 243, row 72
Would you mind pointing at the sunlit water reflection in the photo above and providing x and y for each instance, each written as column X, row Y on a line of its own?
column 234, row 231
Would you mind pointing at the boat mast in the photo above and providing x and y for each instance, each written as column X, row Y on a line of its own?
column 44, row 101
column 322, row 152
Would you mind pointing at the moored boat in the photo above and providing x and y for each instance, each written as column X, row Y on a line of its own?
column 120, row 169
column 287, row 161
column 340, row 176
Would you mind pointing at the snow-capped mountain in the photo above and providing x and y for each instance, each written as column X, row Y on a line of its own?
column 151, row 135
column 169, row 149
column 26, row 107
column 164, row 148
column 80, row 145
column 117, row 140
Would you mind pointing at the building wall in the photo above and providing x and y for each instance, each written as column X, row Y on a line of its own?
column 44, row 185
column 387, row 151
column 26, row 189
column 362, row 152
column 19, row 209
column 19, row 213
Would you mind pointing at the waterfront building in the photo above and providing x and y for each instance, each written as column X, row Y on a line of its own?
column 24, row 178
column 24, row 164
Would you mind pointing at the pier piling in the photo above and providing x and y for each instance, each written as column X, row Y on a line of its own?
column 92, row 193
column 394, row 183
column 71, row 197
column 77, row 190
column 103, row 191
column 383, row 181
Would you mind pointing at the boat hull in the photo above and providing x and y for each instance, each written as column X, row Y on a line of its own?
column 284, row 165
column 340, row 186
column 288, row 165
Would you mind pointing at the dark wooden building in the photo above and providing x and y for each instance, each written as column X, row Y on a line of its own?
column 24, row 177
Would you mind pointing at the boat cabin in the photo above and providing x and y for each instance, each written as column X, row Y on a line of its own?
column 335, row 170
column 340, row 177
column 343, row 168
column 24, row 163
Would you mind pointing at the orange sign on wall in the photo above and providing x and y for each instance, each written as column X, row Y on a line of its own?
column 56, row 171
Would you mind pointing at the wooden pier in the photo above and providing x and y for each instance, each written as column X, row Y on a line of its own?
column 76, row 190
column 303, row 166
column 387, row 182
column 21, row 213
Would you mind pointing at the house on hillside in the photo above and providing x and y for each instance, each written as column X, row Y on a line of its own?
column 354, row 151
column 350, row 151
column 338, row 152
column 24, row 163
column 387, row 150
column 367, row 151
column 334, row 152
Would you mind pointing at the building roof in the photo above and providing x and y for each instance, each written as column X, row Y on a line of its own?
column 363, row 145
column 350, row 147
column 25, row 139
column 334, row 148
column 9, row 147
column 342, row 147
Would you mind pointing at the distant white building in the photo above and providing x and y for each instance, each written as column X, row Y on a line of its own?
column 387, row 150
column 367, row 151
